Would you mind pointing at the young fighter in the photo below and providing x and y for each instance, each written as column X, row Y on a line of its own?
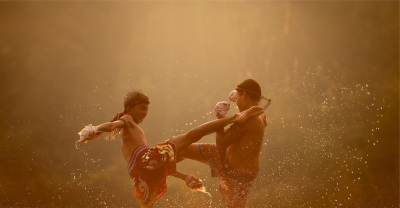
column 234, row 159
column 149, row 167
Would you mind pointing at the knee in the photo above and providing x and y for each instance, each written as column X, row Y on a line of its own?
column 180, row 159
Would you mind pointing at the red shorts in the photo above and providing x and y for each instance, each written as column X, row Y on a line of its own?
column 148, row 168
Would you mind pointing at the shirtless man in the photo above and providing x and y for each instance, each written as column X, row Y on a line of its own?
column 234, row 159
column 149, row 167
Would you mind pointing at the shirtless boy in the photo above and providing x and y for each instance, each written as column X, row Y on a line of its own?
column 149, row 167
column 234, row 159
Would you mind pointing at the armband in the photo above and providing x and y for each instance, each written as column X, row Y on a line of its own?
column 124, row 122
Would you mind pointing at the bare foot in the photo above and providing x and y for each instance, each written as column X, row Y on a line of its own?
column 251, row 112
column 193, row 182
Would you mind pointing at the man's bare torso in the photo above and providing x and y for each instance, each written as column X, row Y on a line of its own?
column 243, row 155
column 131, row 137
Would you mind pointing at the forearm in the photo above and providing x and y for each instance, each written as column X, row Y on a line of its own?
column 107, row 127
column 225, row 139
column 92, row 132
column 180, row 175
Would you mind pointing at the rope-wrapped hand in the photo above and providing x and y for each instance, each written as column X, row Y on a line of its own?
column 221, row 108
column 87, row 133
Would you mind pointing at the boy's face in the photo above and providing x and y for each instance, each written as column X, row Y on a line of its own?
column 139, row 112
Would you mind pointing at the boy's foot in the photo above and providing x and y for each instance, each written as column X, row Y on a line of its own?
column 193, row 182
column 251, row 112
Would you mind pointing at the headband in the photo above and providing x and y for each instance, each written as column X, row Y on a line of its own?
column 248, row 91
column 132, row 101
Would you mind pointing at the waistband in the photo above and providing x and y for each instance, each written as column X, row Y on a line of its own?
column 135, row 153
column 230, row 171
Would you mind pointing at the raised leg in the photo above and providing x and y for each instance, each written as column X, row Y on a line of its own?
column 197, row 133
column 191, row 152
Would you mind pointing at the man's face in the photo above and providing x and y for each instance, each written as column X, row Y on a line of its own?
column 240, row 100
column 139, row 112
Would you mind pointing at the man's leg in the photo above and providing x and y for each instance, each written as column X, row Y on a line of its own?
column 197, row 133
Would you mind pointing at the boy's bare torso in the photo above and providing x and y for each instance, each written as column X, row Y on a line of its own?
column 131, row 137
column 243, row 155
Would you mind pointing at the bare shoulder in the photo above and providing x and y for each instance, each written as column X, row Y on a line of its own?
column 128, row 119
column 255, row 124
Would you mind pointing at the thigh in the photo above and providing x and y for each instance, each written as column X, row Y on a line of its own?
column 181, row 142
column 192, row 152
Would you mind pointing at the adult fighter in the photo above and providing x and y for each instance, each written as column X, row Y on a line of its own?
column 235, row 158
column 148, row 167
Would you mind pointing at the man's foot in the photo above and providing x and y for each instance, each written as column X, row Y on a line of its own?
column 251, row 112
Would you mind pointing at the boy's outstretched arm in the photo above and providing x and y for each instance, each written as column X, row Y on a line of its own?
column 111, row 126
column 92, row 132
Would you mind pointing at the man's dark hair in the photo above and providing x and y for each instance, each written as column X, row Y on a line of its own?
column 134, row 97
column 251, row 87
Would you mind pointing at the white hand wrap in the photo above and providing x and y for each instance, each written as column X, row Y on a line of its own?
column 87, row 133
column 222, row 108
column 232, row 95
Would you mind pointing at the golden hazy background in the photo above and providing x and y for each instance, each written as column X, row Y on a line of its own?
column 330, row 68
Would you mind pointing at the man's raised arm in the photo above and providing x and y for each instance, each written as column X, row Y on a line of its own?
column 236, row 131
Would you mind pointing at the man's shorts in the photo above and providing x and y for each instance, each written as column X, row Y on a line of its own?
column 233, row 185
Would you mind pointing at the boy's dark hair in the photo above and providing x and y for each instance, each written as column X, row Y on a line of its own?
column 251, row 87
column 134, row 97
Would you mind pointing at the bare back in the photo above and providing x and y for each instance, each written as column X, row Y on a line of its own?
column 244, row 154
column 131, row 137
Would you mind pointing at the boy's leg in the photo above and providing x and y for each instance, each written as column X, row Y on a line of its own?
column 197, row 133
column 192, row 152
